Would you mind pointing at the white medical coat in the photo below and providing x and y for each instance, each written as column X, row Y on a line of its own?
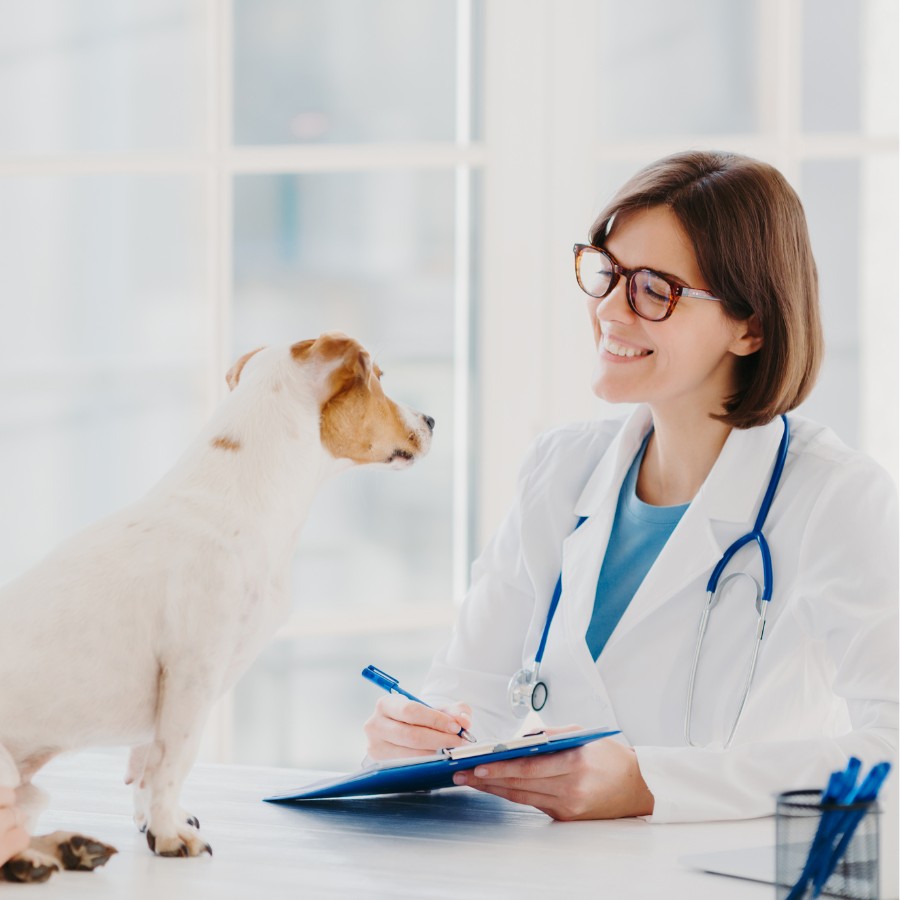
column 826, row 682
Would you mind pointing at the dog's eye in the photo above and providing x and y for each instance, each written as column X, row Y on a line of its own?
column 378, row 372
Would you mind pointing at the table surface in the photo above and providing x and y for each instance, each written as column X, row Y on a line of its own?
column 455, row 843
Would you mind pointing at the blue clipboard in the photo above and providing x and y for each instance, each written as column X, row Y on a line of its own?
column 427, row 773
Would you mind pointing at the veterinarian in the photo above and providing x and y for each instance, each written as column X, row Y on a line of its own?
column 703, row 299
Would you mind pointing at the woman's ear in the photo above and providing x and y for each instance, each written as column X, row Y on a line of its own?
column 748, row 336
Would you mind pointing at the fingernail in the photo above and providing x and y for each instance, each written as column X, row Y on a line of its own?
column 481, row 771
column 459, row 779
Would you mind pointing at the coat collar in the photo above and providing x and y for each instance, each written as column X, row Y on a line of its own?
column 607, row 478
column 733, row 489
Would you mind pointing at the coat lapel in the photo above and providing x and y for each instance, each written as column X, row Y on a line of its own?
column 725, row 508
column 583, row 550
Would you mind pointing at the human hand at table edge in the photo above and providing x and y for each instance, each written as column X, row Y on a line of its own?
column 400, row 727
column 13, row 838
column 601, row 780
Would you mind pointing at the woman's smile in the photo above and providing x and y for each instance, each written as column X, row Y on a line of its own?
column 621, row 350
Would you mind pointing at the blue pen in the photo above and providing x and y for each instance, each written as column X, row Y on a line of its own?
column 392, row 685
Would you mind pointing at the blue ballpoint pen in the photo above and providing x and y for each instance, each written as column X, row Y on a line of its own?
column 392, row 685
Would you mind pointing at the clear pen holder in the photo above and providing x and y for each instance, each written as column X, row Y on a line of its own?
column 797, row 819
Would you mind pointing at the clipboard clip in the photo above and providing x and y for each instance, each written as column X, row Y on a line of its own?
column 485, row 748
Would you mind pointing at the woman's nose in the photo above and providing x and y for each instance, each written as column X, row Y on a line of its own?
column 615, row 304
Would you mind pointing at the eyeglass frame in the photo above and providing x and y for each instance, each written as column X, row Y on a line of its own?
column 676, row 290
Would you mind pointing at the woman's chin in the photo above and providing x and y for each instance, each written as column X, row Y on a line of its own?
column 608, row 389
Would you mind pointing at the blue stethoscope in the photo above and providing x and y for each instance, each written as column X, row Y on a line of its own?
column 528, row 692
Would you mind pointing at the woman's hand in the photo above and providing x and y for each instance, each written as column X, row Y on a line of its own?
column 13, row 838
column 401, row 727
column 601, row 780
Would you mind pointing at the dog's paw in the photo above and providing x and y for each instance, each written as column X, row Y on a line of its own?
column 76, row 852
column 186, row 841
column 30, row 866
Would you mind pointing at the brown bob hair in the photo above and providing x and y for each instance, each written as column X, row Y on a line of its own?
column 748, row 230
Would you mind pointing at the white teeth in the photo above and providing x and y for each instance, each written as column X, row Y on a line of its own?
column 618, row 350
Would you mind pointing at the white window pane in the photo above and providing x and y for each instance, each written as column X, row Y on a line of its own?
column 850, row 75
column 343, row 71
column 830, row 191
column 101, row 76
column 373, row 251
column 673, row 68
column 832, row 53
column 102, row 352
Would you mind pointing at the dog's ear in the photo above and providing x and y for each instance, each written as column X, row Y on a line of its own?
column 331, row 345
column 349, row 361
column 233, row 375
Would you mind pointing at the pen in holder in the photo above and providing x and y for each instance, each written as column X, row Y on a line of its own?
column 827, row 849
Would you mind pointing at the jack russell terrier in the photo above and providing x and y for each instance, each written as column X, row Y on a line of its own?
column 130, row 631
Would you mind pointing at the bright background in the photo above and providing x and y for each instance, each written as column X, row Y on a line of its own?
column 183, row 180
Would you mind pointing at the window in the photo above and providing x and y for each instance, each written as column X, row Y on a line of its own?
column 181, row 182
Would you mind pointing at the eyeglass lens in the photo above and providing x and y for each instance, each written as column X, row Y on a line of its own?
column 650, row 294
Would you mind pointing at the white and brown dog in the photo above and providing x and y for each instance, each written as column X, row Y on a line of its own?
column 128, row 632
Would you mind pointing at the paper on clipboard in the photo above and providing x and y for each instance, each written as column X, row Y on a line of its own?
column 427, row 773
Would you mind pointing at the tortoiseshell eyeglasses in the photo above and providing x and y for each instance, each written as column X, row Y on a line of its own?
column 650, row 295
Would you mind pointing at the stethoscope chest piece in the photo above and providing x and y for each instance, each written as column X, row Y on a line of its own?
column 527, row 692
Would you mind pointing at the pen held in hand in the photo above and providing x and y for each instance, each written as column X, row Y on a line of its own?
column 390, row 684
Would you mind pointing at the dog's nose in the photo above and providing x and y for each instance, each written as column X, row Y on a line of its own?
column 429, row 422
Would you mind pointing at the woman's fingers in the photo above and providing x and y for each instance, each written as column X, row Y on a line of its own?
column 13, row 838
column 12, row 841
column 418, row 737
column 409, row 712
column 546, row 803
column 401, row 727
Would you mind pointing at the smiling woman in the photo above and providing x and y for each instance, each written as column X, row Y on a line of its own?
column 633, row 516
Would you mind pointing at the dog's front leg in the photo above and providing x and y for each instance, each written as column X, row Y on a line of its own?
column 184, row 702
column 134, row 775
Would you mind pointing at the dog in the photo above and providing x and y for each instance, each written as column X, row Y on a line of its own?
column 128, row 632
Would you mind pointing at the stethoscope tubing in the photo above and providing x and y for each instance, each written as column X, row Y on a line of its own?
column 756, row 534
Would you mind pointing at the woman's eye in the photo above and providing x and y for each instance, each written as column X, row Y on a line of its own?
column 655, row 289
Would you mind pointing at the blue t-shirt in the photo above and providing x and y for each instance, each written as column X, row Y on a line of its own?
column 639, row 532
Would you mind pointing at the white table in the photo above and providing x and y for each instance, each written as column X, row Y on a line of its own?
column 455, row 843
